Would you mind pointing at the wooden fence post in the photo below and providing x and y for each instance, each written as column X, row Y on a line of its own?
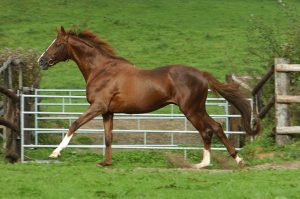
column 282, row 84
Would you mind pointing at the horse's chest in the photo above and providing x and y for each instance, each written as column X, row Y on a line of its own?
column 101, row 92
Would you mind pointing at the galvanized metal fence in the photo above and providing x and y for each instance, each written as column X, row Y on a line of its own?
column 65, row 106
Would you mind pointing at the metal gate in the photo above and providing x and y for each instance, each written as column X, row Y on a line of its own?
column 55, row 110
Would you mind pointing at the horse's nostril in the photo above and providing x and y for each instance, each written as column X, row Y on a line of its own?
column 51, row 61
column 42, row 62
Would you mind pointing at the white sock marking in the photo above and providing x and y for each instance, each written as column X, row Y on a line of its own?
column 205, row 161
column 64, row 143
column 238, row 159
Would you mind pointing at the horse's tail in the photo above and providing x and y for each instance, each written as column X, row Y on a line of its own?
column 231, row 93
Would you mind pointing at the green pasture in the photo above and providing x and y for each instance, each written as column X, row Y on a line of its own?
column 143, row 174
column 208, row 34
column 152, row 174
column 88, row 181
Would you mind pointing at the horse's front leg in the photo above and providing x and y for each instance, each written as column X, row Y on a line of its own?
column 108, row 127
column 92, row 112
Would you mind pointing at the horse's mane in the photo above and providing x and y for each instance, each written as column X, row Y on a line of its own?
column 104, row 47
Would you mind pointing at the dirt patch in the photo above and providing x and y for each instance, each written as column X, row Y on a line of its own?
column 151, row 138
column 177, row 160
column 285, row 165
column 267, row 166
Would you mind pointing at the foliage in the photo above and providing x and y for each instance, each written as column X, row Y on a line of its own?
column 19, row 63
column 30, row 69
column 263, row 148
column 268, row 41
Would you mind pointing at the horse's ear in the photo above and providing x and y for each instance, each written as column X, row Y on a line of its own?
column 62, row 30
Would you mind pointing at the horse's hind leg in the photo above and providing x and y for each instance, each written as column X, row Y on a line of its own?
column 207, row 137
column 217, row 128
column 198, row 121
column 206, row 127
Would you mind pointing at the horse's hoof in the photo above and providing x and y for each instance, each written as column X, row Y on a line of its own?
column 104, row 164
column 54, row 155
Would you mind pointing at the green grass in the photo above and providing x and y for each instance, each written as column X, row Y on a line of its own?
column 147, row 174
column 85, row 180
column 150, row 174
column 208, row 34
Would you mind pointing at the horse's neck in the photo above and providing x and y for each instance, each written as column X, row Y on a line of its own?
column 87, row 58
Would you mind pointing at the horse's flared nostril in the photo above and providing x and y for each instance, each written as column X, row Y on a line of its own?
column 42, row 62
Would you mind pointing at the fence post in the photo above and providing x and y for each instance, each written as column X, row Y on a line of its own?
column 282, row 84
column 28, row 105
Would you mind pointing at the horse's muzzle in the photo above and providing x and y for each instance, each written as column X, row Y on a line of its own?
column 43, row 64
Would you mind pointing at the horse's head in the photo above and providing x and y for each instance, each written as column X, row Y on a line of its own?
column 56, row 52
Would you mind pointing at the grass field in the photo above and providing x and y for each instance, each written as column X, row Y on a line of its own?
column 88, row 181
column 209, row 34
column 143, row 174
column 154, row 174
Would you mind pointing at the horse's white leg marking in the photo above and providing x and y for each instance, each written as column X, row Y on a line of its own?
column 238, row 159
column 205, row 161
column 64, row 143
column 46, row 50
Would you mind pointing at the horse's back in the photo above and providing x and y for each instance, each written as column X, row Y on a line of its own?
column 185, row 85
column 144, row 90
column 141, row 90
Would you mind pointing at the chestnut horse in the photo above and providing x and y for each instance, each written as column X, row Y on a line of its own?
column 114, row 85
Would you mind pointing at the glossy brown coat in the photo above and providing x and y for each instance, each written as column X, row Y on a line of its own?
column 114, row 85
